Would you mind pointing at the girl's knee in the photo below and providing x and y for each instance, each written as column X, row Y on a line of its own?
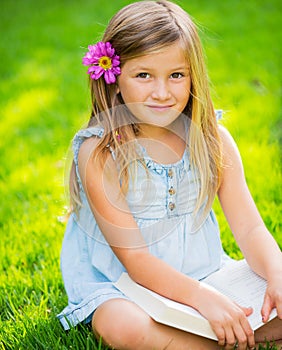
column 121, row 324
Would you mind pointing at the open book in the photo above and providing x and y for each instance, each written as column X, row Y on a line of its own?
column 236, row 280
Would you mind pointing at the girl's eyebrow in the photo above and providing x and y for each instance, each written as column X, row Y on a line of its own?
column 148, row 68
column 139, row 68
column 181, row 68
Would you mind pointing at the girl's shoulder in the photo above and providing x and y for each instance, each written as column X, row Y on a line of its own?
column 90, row 148
column 87, row 133
column 232, row 166
column 84, row 138
column 229, row 146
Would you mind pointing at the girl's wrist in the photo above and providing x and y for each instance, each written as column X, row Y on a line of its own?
column 199, row 294
column 274, row 276
column 274, row 272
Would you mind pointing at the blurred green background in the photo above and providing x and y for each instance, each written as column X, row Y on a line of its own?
column 44, row 99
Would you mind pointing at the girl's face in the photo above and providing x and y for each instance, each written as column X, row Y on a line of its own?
column 156, row 87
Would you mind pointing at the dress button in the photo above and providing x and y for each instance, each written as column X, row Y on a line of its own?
column 170, row 173
column 171, row 191
column 171, row 205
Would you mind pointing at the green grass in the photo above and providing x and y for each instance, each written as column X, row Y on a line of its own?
column 44, row 99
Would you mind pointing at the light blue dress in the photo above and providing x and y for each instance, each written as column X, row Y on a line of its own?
column 162, row 201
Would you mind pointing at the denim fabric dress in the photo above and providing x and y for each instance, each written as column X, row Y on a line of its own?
column 161, row 200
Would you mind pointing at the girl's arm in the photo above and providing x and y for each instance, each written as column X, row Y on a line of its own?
column 115, row 220
column 257, row 244
column 121, row 231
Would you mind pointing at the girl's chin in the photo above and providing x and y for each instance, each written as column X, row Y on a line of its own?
column 159, row 118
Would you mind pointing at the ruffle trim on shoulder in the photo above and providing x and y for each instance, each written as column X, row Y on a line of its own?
column 218, row 114
column 81, row 136
column 77, row 141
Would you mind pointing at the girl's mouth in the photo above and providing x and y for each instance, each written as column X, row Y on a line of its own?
column 160, row 108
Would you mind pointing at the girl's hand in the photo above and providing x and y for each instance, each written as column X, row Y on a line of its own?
column 272, row 298
column 227, row 319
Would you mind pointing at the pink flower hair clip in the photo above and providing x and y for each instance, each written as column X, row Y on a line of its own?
column 102, row 59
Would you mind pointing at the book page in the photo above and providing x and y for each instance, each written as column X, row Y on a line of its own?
column 238, row 282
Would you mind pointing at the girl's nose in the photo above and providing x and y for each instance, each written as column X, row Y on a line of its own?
column 161, row 90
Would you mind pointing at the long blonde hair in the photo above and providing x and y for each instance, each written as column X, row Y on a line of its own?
column 139, row 29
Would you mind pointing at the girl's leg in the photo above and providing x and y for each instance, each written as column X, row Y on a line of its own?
column 123, row 325
column 271, row 331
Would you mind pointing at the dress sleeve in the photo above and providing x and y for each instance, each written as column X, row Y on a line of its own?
column 77, row 141
column 218, row 114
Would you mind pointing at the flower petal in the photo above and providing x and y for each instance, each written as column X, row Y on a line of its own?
column 109, row 77
column 96, row 75
column 116, row 70
column 96, row 70
column 102, row 48
column 115, row 61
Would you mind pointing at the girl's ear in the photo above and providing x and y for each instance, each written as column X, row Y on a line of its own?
column 117, row 90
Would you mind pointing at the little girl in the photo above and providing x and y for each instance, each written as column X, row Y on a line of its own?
column 146, row 171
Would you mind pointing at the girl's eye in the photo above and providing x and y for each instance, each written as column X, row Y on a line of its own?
column 143, row 75
column 176, row 75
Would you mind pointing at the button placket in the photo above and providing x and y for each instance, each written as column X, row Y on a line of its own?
column 171, row 206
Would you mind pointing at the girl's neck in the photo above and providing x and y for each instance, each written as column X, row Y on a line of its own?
column 162, row 134
column 163, row 145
